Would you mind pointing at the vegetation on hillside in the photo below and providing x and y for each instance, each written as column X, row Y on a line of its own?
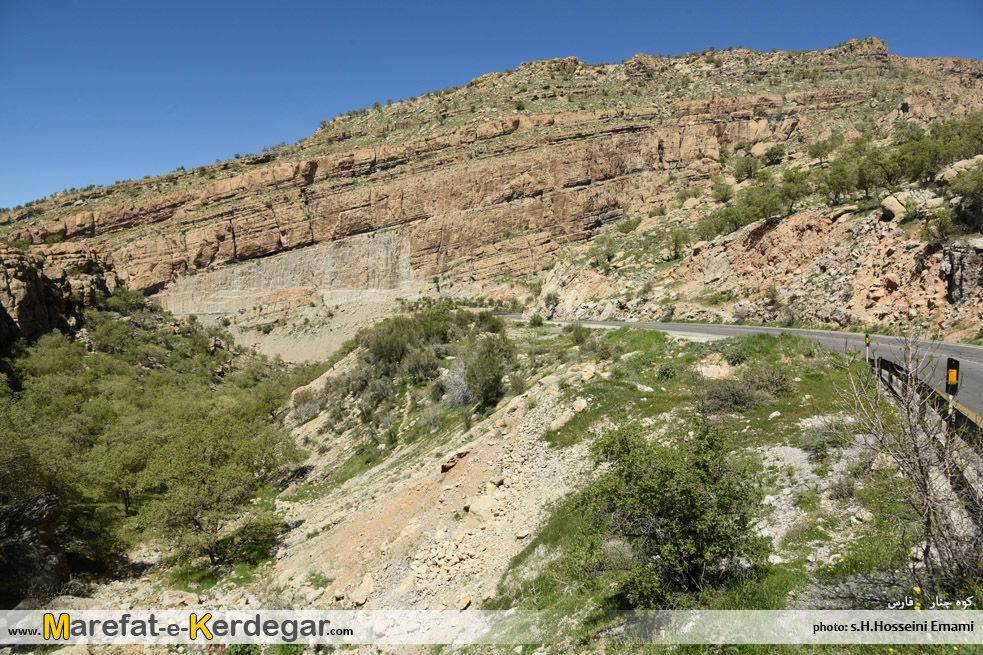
column 860, row 167
column 689, row 470
column 412, row 375
column 145, row 427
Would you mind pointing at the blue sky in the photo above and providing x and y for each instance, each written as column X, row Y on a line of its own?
column 96, row 91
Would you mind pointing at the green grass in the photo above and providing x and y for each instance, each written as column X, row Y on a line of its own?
column 766, row 591
column 197, row 579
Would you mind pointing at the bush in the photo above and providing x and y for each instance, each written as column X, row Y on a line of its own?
column 734, row 353
column 732, row 395
column 820, row 440
column 842, row 488
column 243, row 649
column 600, row 347
column 691, row 192
column 458, row 392
column 437, row 390
column 422, row 365
column 667, row 372
column 745, row 167
column 578, row 333
column 486, row 362
column 770, row 380
column 305, row 405
column 21, row 244
column 432, row 417
column 774, row 155
column 658, row 211
column 629, row 224
column 722, row 192
column 535, row 320
column 679, row 238
column 685, row 516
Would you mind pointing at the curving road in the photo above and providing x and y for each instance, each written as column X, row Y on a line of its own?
column 970, row 357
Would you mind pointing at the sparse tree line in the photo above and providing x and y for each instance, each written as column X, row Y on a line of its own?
column 859, row 167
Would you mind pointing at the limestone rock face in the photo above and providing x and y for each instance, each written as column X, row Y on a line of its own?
column 963, row 270
column 40, row 290
column 466, row 192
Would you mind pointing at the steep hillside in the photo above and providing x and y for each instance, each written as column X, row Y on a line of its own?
column 468, row 190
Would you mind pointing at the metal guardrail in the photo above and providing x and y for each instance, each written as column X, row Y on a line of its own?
column 969, row 424
column 963, row 425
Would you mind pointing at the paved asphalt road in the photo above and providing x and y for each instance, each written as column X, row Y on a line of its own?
column 970, row 357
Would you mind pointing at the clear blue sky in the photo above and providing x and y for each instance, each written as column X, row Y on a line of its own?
column 97, row 91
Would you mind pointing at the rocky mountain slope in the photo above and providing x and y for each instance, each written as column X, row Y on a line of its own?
column 465, row 191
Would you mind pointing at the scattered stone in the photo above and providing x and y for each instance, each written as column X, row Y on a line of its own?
column 522, row 534
column 483, row 507
column 176, row 598
column 774, row 415
column 452, row 461
column 463, row 602
column 587, row 372
column 561, row 420
column 361, row 593
column 579, row 405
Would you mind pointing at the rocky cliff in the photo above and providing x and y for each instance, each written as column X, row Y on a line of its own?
column 468, row 187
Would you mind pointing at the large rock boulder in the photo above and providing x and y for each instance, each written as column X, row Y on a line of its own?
column 893, row 207
column 950, row 173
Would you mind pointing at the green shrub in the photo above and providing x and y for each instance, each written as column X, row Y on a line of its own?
column 600, row 347
column 690, row 192
column 54, row 238
column 819, row 441
column 21, row 244
column 769, row 379
column 774, row 155
column 578, row 333
column 732, row 395
column 422, row 364
column 678, row 239
column 821, row 150
column 734, row 353
column 842, row 488
column 745, row 167
column 667, row 372
column 535, row 320
column 658, row 211
column 629, row 224
column 486, row 361
column 685, row 516
column 722, row 192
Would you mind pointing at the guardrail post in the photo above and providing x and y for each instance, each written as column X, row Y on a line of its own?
column 951, row 389
column 952, row 376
